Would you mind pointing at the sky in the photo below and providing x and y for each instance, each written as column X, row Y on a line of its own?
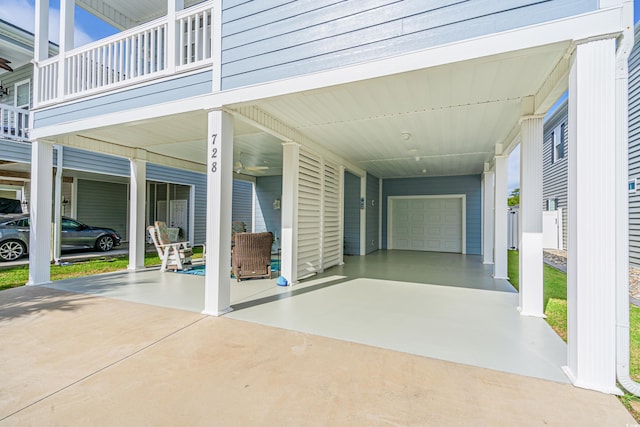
column 89, row 28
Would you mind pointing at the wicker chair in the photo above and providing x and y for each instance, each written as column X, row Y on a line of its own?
column 174, row 255
column 251, row 255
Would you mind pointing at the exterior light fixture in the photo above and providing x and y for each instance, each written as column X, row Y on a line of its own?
column 276, row 204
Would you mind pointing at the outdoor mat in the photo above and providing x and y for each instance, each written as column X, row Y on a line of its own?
column 199, row 270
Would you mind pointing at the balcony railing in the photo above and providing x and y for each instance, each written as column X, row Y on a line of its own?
column 133, row 56
column 14, row 123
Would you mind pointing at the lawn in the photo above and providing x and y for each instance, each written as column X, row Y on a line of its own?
column 555, row 308
column 13, row 277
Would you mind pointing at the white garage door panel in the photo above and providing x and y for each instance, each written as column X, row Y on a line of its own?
column 427, row 224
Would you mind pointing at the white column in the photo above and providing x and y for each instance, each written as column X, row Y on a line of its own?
column 500, row 218
column 530, row 227
column 40, row 213
column 137, row 210
column 40, row 47
column 217, row 295
column 173, row 33
column 591, row 264
column 57, row 206
column 363, row 215
column 488, row 204
column 67, row 24
column 289, row 211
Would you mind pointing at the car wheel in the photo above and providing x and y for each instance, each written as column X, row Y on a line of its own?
column 104, row 243
column 11, row 250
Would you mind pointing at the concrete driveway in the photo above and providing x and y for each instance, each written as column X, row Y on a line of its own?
column 76, row 359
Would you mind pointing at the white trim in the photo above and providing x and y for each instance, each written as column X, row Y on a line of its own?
column 463, row 198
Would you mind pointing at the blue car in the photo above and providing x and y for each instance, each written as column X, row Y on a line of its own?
column 14, row 236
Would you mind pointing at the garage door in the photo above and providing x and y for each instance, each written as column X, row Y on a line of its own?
column 427, row 224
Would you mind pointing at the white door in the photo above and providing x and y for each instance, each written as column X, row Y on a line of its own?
column 550, row 229
column 178, row 215
column 427, row 224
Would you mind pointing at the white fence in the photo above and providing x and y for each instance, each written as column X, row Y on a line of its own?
column 551, row 229
column 139, row 54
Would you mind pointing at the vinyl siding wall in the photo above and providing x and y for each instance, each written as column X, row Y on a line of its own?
column 634, row 150
column 268, row 188
column 351, row 214
column 242, row 203
column 373, row 214
column 428, row 186
column 181, row 87
column 275, row 39
column 555, row 175
column 18, row 75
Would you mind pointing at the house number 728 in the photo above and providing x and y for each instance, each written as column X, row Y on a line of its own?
column 214, row 154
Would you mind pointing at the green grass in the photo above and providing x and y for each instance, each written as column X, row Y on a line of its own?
column 13, row 277
column 555, row 308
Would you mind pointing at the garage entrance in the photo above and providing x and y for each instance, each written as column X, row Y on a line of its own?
column 427, row 223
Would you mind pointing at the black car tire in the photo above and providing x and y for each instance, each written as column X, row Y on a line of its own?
column 104, row 243
column 11, row 250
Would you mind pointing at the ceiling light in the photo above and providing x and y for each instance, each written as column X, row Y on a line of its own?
column 424, row 171
column 417, row 158
column 406, row 135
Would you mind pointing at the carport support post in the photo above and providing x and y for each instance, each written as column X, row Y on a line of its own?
column 217, row 284
column 591, row 267
column 137, row 210
column 289, row 211
column 40, row 212
column 488, row 205
column 500, row 217
column 531, row 280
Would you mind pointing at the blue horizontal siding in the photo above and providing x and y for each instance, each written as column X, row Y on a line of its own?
column 90, row 161
column 270, row 40
column 268, row 189
column 242, row 203
column 432, row 186
column 138, row 97
column 15, row 151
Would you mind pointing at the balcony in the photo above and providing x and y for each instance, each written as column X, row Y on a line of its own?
column 150, row 51
column 14, row 123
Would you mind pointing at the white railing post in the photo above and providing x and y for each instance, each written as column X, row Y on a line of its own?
column 173, row 34
column 67, row 18
column 41, row 46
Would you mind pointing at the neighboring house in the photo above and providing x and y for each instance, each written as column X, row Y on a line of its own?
column 417, row 103
column 556, row 165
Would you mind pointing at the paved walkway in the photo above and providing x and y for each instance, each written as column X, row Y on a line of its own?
column 75, row 359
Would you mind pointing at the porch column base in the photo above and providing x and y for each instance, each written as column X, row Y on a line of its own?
column 590, row 386
column 217, row 313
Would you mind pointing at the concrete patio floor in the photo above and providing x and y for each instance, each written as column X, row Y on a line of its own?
column 76, row 359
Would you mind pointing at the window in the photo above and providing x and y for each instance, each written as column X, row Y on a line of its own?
column 69, row 224
column 557, row 143
column 552, row 204
column 22, row 95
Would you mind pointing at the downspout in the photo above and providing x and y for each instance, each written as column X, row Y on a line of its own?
column 625, row 44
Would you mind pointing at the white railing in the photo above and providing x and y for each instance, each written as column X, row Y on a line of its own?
column 14, row 123
column 136, row 55
column 195, row 37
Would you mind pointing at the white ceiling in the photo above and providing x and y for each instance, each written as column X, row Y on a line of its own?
column 454, row 114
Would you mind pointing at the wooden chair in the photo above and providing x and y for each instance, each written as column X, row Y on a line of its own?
column 174, row 255
column 251, row 255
